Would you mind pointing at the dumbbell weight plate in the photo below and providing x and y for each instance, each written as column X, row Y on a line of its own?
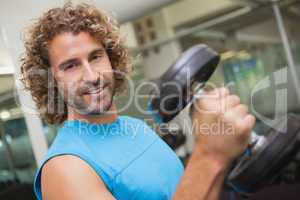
column 197, row 64
column 260, row 169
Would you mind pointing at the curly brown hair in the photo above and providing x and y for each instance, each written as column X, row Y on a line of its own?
column 35, row 63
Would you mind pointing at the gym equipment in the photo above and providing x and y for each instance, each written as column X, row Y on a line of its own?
column 266, row 157
column 176, row 87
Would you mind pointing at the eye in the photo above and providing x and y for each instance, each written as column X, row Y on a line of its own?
column 70, row 66
column 96, row 57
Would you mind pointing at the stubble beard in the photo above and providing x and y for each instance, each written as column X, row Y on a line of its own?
column 95, row 107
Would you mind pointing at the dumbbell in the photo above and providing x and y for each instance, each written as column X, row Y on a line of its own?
column 266, row 155
column 176, row 88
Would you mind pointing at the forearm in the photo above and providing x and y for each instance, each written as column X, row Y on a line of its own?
column 223, row 127
column 203, row 179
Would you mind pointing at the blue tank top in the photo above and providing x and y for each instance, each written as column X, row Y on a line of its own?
column 132, row 160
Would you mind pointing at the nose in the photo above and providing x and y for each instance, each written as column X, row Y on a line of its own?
column 89, row 75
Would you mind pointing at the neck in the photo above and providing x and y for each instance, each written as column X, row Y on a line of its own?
column 104, row 118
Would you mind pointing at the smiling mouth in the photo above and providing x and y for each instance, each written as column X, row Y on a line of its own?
column 98, row 90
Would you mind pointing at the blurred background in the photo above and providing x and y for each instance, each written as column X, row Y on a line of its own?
column 248, row 34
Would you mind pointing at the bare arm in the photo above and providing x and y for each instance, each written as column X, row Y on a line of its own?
column 203, row 178
column 70, row 178
column 223, row 127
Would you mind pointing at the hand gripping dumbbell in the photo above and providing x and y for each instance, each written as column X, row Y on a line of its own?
column 267, row 153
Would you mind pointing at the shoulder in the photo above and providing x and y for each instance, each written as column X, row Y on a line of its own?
column 69, row 177
column 66, row 167
column 66, row 140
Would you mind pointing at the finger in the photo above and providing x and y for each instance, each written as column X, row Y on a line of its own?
column 250, row 121
column 219, row 92
column 229, row 102
column 207, row 105
column 244, row 126
column 216, row 106
column 242, row 129
column 237, row 113
column 224, row 104
column 240, row 111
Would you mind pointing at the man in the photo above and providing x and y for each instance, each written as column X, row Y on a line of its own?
column 99, row 154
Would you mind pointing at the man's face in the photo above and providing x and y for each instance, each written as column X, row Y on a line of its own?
column 83, row 72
